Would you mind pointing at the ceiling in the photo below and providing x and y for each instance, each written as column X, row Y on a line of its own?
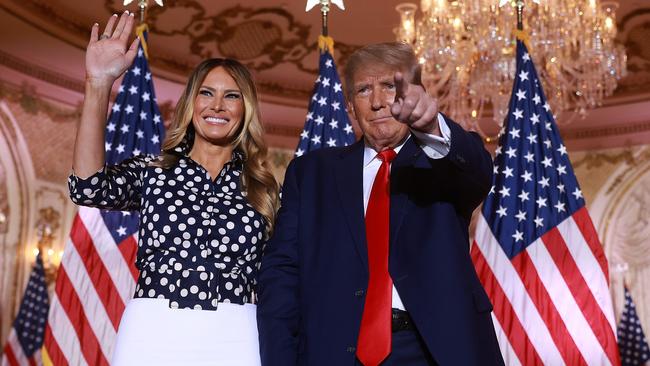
column 277, row 40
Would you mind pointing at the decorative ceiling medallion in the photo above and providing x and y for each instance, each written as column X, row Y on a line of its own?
column 636, row 27
column 261, row 38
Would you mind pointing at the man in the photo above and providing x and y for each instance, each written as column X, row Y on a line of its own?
column 369, row 263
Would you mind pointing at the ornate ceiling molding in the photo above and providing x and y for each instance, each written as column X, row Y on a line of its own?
column 262, row 38
column 270, row 40
column 634, row 32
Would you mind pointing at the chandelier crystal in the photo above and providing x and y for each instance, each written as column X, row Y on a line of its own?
column 467, row 52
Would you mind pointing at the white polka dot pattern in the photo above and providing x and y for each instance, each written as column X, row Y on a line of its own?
column 199, row 240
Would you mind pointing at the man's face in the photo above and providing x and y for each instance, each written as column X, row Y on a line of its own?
column 373, row 93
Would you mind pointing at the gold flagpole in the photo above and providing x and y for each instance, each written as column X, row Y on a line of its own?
column 325, row 42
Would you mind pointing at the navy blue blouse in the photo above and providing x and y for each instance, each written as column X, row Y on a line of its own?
column 200, row 241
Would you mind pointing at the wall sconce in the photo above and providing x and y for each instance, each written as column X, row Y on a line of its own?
column 46, row 226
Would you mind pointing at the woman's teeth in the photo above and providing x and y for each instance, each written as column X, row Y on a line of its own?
column 215, row 120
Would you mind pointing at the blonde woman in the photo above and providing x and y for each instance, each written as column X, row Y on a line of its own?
column 207, row 206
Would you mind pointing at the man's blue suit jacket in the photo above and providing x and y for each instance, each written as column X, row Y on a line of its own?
column 315, row 268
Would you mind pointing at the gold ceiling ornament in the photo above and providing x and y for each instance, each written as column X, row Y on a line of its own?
column 467, row 52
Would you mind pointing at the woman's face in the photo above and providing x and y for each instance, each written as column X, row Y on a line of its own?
column 218, row 108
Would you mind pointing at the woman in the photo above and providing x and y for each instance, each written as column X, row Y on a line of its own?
column 207, row 206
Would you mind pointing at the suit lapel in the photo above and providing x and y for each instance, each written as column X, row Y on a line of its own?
column 349, row 182
column 410, row 156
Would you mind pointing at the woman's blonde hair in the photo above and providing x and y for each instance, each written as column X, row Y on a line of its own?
column 260, row 187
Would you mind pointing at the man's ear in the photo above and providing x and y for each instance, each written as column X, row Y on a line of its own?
column 351, row 108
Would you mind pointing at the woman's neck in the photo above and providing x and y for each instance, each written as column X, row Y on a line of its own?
column 211, row 157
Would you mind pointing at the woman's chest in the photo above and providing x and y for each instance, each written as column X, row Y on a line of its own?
column 183, row 206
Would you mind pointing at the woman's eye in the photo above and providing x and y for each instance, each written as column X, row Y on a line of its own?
column 233, row 96
column 206, row 93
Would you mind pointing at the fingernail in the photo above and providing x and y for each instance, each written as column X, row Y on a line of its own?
column 131, row 15
column 114, row 15
column 126, row 12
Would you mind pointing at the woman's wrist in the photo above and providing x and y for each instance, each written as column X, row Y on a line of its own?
column 99, row 83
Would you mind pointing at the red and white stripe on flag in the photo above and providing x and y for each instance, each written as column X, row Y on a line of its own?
column 13, row 355
column 551, row 301
column 95, row 280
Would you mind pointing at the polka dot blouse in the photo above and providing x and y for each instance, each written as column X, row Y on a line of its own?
column 199, row 239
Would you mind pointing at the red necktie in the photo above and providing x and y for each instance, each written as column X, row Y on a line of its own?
column 374, row 342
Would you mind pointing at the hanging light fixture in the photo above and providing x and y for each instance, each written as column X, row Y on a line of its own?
column 466, row 49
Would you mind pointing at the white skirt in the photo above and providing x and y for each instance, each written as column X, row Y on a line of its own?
column 151, row 333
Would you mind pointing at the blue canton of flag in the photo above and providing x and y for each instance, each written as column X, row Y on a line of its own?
column 632, row 342
column 26, row 338
column 327, row 121
column 543, row 190
column 134, row 127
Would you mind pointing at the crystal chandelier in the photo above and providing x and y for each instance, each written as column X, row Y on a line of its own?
column 467, row 52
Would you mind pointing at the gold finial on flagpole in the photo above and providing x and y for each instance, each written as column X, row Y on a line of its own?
column 143, row 4
column 520, row 14
column 325, row 42
column 324, row 9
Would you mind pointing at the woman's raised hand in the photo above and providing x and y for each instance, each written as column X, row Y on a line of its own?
column 107, row 56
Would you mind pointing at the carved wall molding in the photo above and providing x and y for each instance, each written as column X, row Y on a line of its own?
column 31, row 102
column 41, row 73
column 597, row 159
column 619, row 129
column 621, row 214
column 17, row 164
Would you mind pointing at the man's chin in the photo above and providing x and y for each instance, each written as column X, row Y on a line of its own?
column 386, row 137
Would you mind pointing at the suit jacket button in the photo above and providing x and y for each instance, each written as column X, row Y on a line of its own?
column 352, row 349
column 359, row 293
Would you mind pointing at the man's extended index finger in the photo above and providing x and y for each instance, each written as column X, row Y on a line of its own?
column 401, row 86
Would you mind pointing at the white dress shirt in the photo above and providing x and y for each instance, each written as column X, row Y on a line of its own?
column 435, row 147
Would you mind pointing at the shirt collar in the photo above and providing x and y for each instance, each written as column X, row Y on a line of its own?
column 370, row 155
column 185, row 147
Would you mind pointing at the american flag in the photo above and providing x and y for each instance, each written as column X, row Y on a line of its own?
column 536, row 250
column 26, row 336
column 327, row 123
column 632, row 342
column 97, row 274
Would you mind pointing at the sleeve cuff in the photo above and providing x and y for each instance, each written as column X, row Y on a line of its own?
column 436, row 147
